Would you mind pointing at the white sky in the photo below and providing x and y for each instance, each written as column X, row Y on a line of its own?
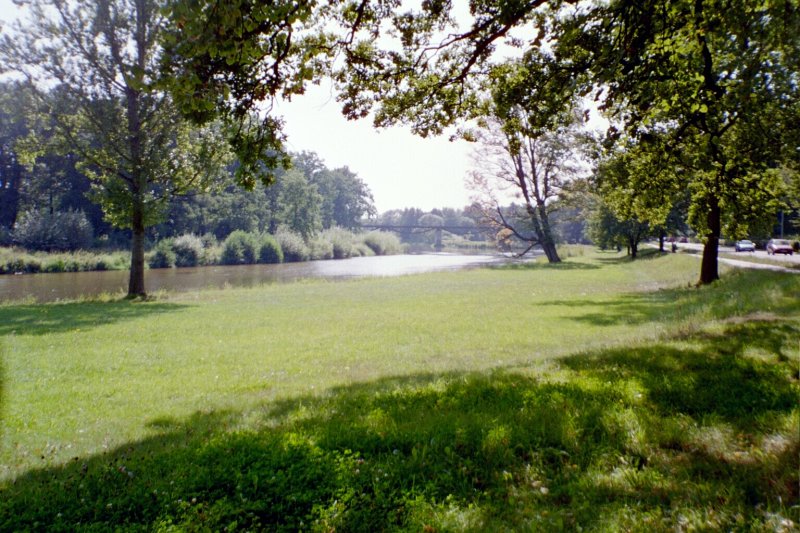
column 402, row 170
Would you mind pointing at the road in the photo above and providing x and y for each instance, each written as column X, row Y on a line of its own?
column 761, row 254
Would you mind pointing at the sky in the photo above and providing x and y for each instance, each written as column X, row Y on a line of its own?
column 401, row 169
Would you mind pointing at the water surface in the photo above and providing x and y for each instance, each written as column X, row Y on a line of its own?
column 70, row 285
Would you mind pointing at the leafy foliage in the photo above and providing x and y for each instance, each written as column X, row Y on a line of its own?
column 240, row 248
column 270, row 251
column 342, row 242
column 163, row 256
column 293, row 246
column 383, row 243
column 188, row 250
column 717, row 85
column 94, row 68
column 69, row 230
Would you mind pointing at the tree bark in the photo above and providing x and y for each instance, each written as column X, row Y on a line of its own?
column 546, row 235
column 136, row 281
column 709, row 270
column 138, row 186
column 633, row 246
column 9, row 194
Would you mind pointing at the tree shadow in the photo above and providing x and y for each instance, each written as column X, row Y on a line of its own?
column 535, row 265
column 714, row 377
column 41, row 319
column 507, row 450
column 740, row 294
column 644, row 254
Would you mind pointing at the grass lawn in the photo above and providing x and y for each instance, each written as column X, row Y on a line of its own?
column 599, row 394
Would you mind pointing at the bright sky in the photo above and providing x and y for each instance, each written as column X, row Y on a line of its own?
column 402, row 170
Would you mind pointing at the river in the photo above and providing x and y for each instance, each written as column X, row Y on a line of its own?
column 71, row 285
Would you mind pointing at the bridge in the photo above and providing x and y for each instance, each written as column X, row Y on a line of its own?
column 422, row 228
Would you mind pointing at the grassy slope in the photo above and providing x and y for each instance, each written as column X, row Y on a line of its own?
column 538, row 397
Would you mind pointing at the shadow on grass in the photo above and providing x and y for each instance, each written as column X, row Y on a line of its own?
column 711, row 378
column 617, row 439
column 644, row 254
column 741, row 293
column 531, row 265
column 41, row 319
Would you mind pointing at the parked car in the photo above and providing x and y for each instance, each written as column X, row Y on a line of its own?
column 745, row 246
column 779, row 246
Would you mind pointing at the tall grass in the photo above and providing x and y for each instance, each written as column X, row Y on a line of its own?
column 16, row 260
column 599, row 394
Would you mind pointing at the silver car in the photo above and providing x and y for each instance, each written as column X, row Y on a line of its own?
column 779, row 246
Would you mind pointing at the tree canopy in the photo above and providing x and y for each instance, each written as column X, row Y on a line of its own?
column 94, row 67
column 716, row 81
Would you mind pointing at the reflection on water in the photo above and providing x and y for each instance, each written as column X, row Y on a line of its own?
column 70, row 285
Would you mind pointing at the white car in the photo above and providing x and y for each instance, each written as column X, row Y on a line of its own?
column 745, row 246
column 779, row 246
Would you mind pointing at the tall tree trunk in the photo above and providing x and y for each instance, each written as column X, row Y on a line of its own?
column 136, row 280
column 138, row 186
column 633, row 247
column 709, row 270
column 548, row 242
column 9, row 194
column 541, row 226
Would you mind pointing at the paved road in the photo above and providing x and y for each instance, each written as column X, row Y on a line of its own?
column 791, row 259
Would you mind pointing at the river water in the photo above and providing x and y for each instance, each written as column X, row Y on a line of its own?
column 71, row 285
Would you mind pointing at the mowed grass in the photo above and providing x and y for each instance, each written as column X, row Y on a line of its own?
column 600, row 394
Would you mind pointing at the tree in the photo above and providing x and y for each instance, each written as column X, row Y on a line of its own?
column 607, row 230
column 534, row 164
column 300, row 204
column 717, row 79
column 13, row 127
column 346, row 199
column 697, row 78
column 95, row 69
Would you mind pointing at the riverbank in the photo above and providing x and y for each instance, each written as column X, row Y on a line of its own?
column 111, row 285
column 19, row 261
column 600, row 393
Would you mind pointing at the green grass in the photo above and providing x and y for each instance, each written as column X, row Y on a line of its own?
column 600, row 394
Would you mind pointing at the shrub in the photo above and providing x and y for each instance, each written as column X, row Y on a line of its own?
column 320, row 248
column 188, row 250
column 362, row 250
column 240, row 248
column 293, row 246
column 383, row 243
column 163, row 256
column 342, row 241
column 209, row 240
column 270, row 251
column 31, row 266
column 62, row 230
